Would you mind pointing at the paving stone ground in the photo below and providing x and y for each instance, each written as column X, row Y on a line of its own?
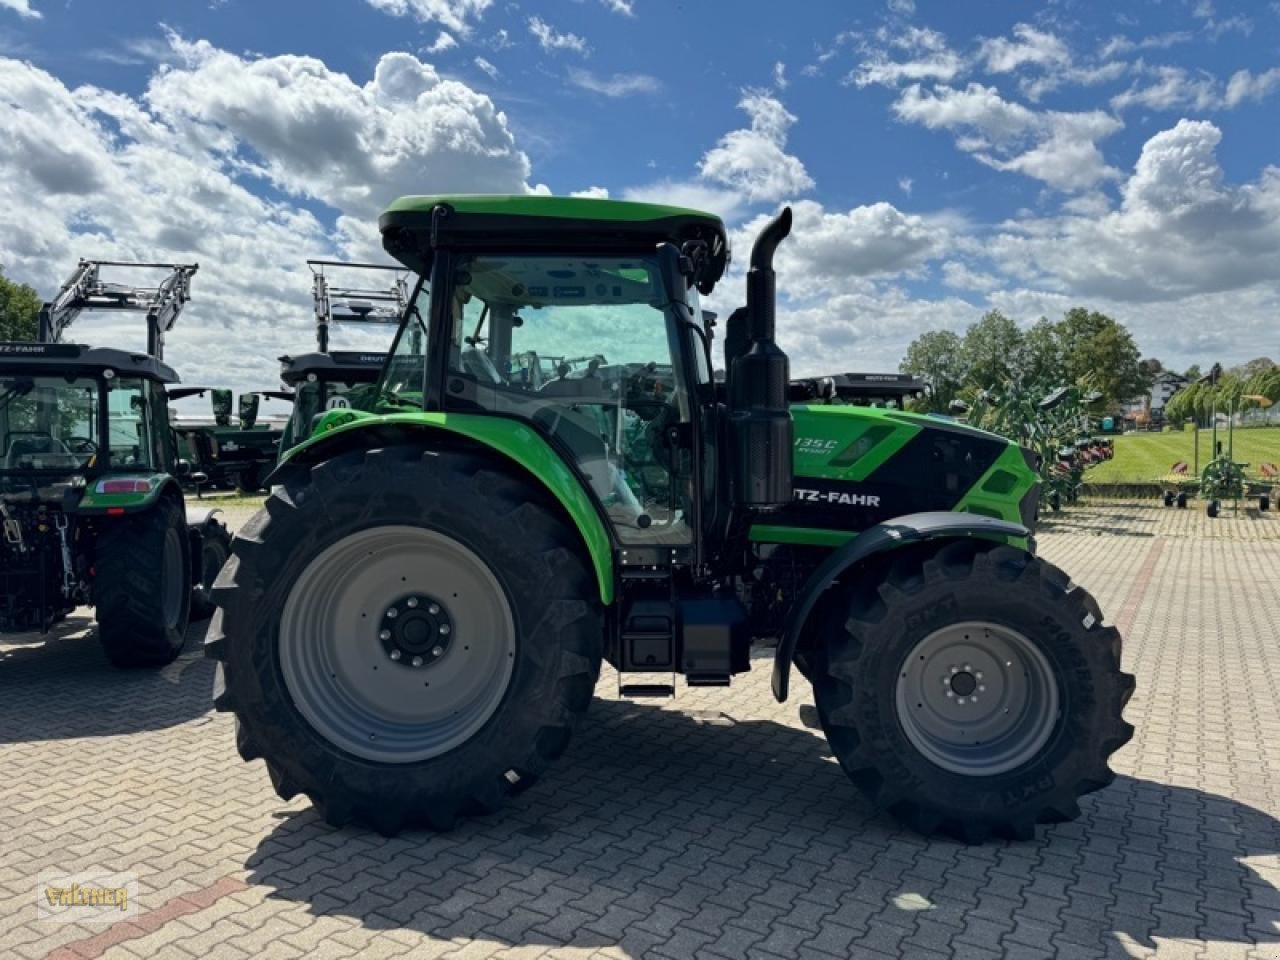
column 716, row 825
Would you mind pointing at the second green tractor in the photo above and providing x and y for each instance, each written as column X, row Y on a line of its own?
column 413, row 625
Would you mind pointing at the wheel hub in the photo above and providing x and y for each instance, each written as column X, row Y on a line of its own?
column 416, row 630
column 977, row 698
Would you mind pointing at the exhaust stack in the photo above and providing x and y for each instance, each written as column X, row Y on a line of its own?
column 759, row 413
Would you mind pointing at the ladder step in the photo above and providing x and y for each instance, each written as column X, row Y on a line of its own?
column 648, row 690
column 707, row 680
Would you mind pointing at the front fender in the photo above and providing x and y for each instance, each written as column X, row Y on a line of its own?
column 150, row 487
column 881, row 538
column 343, row 430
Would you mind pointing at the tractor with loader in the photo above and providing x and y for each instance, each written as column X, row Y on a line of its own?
column 330, row 379
column 412, row 626
column 90, row 503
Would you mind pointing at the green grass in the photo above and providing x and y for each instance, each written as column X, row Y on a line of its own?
column 1148, row 456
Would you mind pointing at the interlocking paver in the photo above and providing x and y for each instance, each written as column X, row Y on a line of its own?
column 713, row 826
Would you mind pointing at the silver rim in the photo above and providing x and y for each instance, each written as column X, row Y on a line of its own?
column 977, row 698
column 173, row 585
column 397, row 644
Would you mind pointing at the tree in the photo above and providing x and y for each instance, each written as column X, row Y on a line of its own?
column 1100, row 353
column 19, row 310
column 1193, row 372
column 992, row 350
column 1042, row 355
column 935, row 358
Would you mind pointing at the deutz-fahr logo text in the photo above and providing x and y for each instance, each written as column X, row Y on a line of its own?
column 836, row 496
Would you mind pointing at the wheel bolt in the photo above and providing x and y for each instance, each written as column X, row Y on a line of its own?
column 978, row 674
column 982, row 688
column 413, row 601
column 384, row 635
column 416, row 661
column 961, row 700
column 392, row 613
column 951, row 693
column 437, row 651
column 955, row 669
column 444, row 629
column 433, row 609
column 395, row 654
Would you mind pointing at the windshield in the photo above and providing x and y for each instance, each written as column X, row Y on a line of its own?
column 48, row 423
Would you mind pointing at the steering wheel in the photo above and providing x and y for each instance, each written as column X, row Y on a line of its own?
column 80, row 445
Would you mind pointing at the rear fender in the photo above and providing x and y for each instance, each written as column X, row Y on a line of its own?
column 512, row 440
column 883, row 537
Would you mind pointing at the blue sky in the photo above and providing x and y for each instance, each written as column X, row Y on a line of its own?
column 943, row 158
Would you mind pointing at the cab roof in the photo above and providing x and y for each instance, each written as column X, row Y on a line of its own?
column 411, row 228
column 62, row 358
column 353, row 365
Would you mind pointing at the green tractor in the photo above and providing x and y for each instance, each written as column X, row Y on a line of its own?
column 339, row 379
column 415, row 622
column 90, row 503
column 227, row 455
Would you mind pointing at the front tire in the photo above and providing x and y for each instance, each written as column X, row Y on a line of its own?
column 142, row 589
column 970, row 689
column 215, row 547
column 360, row 708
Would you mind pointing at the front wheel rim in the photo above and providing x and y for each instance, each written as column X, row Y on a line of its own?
column 977, row 698
column 397, row 644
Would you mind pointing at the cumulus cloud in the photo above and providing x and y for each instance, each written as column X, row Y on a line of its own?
column 617, row 85
column 176, row 174
column 1176, row 88
column 315, row 132
column 1056, row 147
column 22, row 8
column 1179, row 231
column 551, row 40
column 924, row 55
column 726, row 204
column 831, row 250
column 754, row 160
column 457, row 15
column 1028, row 46
column 444, row 41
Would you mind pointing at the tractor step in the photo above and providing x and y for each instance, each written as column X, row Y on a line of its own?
column 707, row 679
column 648, row 689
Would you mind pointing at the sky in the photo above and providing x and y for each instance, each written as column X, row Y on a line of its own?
column 942, row 159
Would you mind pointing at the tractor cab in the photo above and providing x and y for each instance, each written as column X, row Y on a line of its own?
column 339, row 379
column 579, row 318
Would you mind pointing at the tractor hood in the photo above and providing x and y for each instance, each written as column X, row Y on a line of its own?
column 858, row 466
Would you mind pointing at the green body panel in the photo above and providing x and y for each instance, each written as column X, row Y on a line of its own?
column 569, row 208
column 844, row 444
column 847, row 442
column 94, row 503
column 509, row 437
column 997, row 500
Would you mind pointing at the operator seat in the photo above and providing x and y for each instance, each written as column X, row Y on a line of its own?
column 32, row 443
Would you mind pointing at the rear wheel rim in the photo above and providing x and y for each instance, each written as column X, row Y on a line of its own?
column 369, row 680
column 977, row 698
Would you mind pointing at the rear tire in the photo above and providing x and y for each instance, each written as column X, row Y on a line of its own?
column 215, row 548
column 1018, row 755
column 142, row 588
column 1213, row 508
column 1182, row 501
column 1168, row 498
column 304, row 602
column 1264, row 503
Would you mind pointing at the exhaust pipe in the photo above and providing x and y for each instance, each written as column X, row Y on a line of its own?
column 759, row 412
